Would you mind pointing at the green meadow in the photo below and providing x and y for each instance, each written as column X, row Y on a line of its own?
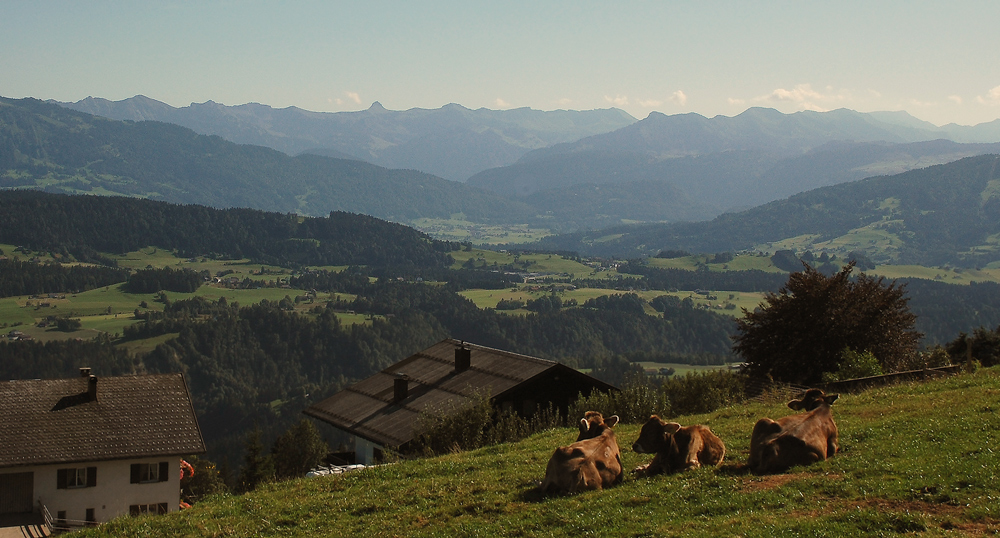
column 916, row 459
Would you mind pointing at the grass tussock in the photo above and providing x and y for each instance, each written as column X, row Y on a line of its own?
column 916, row 459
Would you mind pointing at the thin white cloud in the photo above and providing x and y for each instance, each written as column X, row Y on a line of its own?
column 734, row 101
column 956, row 98
column 922, row 104
column 650, row 103
column 875, row 93
column 618, row 100
column 353, row 96
column 500, row 103
column 679, row 97
column 565, row 101
column 805, row 97
column 992, row 97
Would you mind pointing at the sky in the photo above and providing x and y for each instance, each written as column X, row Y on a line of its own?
column 939, row 61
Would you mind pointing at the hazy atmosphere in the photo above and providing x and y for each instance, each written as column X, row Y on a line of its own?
column 937, row 61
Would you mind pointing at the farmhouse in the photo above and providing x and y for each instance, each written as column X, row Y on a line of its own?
column 382, row 411
column 83, row 450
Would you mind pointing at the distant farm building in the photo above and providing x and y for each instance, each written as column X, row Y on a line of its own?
column 383, row 410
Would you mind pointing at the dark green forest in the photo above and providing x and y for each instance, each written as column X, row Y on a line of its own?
column 19, row 277
column 87, row 226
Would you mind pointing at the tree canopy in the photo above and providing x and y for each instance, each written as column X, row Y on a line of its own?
column 802, row 331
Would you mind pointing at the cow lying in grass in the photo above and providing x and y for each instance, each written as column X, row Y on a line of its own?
column 677, row 447
column 592, row 462
column 800, row 439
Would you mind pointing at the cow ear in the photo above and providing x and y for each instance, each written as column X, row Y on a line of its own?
column 584, row 425
column 611, row 421
column 830, row 398
column 797, row 405
column 671, row 427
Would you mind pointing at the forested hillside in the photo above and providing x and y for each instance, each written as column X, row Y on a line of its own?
column 85, row 226
column 941, row 214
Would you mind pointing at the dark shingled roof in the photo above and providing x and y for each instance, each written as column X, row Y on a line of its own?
column 50, row 421
column 367, row 409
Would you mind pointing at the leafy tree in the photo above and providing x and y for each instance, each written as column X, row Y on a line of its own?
column 257, row 467
column 297, row 450
column 801, row 331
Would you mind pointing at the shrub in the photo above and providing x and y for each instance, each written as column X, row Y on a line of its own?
column 633, row 404
column 854, row 364
column 456, row 427
column 703, row 392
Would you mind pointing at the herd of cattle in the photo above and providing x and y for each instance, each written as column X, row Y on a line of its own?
column 594, row 460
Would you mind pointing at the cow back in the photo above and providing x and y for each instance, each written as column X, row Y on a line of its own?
column 590, row 463
column 800, row 439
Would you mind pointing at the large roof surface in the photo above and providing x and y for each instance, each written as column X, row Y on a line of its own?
column 367, row 409
column 49, row 421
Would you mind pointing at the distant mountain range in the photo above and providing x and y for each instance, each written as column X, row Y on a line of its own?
column 43, row 145
column 452, row 142
column 663, row 169
column 731, row 163
column 942, row 214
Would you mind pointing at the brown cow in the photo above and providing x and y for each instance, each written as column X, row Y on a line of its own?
column 796, row 439
column 592, row 462
column 676, row 447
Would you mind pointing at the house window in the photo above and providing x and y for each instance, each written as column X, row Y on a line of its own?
column 76, row 477
column 139, row 509
column 146, row 473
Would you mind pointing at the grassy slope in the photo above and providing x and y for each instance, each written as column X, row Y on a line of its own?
column 915, row 457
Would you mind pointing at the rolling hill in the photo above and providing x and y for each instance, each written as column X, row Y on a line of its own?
column 941, row 214
column 726, row 164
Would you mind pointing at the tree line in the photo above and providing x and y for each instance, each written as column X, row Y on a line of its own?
column 86, row 226
column 19, row 277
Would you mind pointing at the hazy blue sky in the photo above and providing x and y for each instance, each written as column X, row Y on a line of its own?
column 940, row 61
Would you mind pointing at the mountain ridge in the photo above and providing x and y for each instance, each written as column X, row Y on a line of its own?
column 384, row 137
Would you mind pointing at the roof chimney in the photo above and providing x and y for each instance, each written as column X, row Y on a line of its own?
column 84, row 372
column 463, row 358
column 400, row 387
column 92, row 388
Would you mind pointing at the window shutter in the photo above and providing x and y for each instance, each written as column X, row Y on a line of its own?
column 164, row 470
column 91, row 477
column 61, row 478
column 134, row 479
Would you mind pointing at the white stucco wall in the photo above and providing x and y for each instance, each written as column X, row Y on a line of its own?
column 113, row 493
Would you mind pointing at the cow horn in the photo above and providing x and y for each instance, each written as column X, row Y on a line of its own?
column 584, row 424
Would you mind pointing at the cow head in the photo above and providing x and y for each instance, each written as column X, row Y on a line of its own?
column 593, row 424
column 654, row 435
column 812, row 399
